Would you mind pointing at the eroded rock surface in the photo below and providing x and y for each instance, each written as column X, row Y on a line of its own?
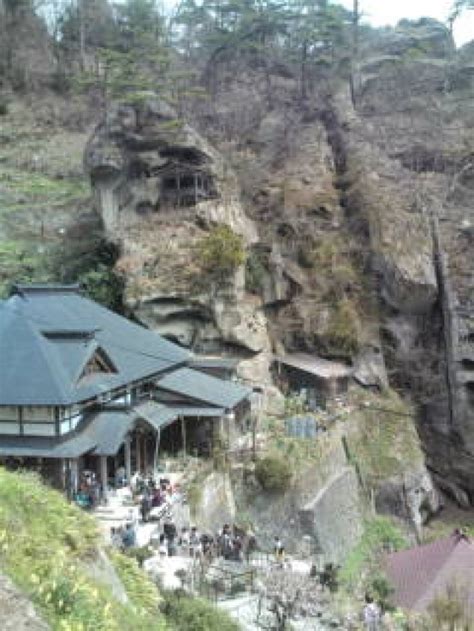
column 16, row 611
column 160, row 187
column 413, row 133
column 357, row 218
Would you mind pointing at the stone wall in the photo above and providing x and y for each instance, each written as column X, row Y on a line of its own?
column 334, row 518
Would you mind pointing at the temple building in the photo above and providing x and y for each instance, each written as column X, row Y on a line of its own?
column 317, row 379
column 82, row 388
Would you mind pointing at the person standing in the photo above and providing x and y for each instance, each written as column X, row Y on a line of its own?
column 145, row 506
column 371, row 614
column 279, row 550
column 194, row 543
column 170, row 532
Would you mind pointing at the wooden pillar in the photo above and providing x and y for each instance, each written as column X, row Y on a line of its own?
column 104, row 478
column 221, row 429
column 137, row 452
column 128, row 458
column 145, row 454
column 74, row 475
column 63, row 474
column 157, row 448
column 183, row 433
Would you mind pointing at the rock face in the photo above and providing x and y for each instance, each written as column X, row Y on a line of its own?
column 16, row 611
column 356, row 215
column 411, row 497
column 334, row 518
column 412, row 134
column 160, row 187
column 216, row 505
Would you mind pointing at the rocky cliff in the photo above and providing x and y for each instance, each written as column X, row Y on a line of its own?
column 356, row 215
column 410, row 176
column 160, row 188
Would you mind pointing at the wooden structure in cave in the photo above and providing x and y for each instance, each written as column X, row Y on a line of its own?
column 184, row 177
column 181, row 186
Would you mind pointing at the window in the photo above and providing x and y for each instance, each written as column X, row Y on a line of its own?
column 100, row 362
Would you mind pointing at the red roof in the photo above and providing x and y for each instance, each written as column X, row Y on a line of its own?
column 421, row 574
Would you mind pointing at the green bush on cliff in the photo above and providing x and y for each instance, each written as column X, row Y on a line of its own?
column 255, row 272
column 385, row 442
column 344, row 327
column 273, row 473
column 221, row 251
column 363, row 564
column 186, row 614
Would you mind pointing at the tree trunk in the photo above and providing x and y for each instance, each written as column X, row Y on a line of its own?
column 355, row 49
column 304, row 70
column 82, row 34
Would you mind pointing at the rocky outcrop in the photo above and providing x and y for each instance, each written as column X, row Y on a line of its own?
column 411, row 141
column 411, row 497
column 160, row 187
column 355, row 214
column 334, row 518
column 16, row 611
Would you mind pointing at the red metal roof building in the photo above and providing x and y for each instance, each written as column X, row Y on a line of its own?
column 419, row 575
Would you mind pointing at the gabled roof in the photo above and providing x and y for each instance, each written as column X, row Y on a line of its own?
column 201, row 387
column 420, row 574
column 47, row 335
column 156, row 414
column 225, row 363
column 318, row 366
column 102, row 433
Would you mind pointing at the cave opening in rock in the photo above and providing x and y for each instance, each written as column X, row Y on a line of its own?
column 191, row 155
column 144, row 208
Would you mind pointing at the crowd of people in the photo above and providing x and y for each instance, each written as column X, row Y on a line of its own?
column 227, row 543
column 155, row 495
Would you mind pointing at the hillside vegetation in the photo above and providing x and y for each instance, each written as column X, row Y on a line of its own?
column 48, row 547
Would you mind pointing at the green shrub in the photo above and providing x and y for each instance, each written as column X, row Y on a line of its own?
column 380, row 534
column 255, row 271
column 381, row 590
column 103, row 285
column 273, row 473
column 185, row 614
column 343, row 331
column 140, row 554
column 451, row 610
column 221, row 251
column 142, row 592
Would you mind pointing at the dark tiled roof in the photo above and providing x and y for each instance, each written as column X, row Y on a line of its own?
column 224, row 363
column 156, row 414
column 420, row 574
column 41, row 447
column 314, row 365
column 108, row 429
column 201, row 387
column 47, row 333
column 189, row 411
column 101, row 434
